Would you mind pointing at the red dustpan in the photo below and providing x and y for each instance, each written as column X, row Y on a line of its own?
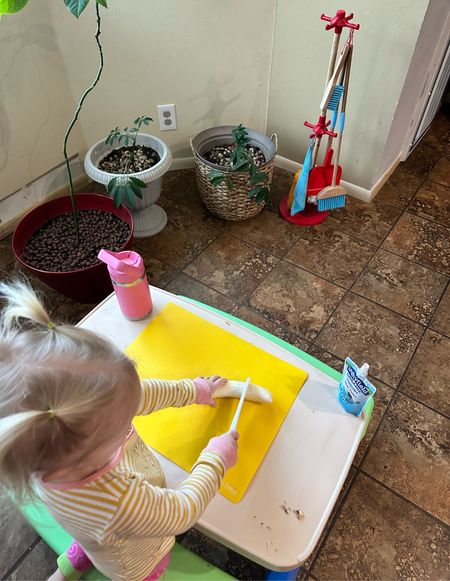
column 321, row 176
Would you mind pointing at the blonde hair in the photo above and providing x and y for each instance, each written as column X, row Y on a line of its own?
column 53, row 378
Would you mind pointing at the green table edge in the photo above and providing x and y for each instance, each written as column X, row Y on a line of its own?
column 184, row 564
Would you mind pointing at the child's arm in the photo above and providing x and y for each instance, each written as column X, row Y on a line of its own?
column 158, row 394
column 147, row 510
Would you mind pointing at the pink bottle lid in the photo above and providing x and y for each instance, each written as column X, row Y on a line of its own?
column 124, row 266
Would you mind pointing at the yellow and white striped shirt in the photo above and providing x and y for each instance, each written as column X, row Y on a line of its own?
column 125, row 519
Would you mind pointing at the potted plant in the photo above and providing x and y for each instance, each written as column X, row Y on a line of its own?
column 131, row 164
column 59, row 240
column 234, row 168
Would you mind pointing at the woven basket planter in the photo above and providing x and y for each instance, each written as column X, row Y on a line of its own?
column 232, row 204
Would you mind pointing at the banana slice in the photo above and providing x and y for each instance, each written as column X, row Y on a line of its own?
column 235, row 388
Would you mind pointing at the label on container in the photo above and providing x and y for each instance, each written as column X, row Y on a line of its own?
column 354, row 390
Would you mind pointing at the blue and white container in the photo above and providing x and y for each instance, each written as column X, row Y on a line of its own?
column 355, row 389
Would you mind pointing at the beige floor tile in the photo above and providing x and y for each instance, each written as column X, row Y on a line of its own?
column 410, row 455
column 367, row 332
column 379, row 536
column 189, row 287
column 401, row 285
column 232, row 267
column 422, row 241
column 428, row 376
column 441, row 318
column 370, row 222
column 269, row 232
column 296, row 299
column 441, row 172
column 284, row 333
column 400, row 188
column 326, row 251
column 432, row 202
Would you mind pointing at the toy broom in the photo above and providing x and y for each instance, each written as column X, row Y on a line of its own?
column 315, row 189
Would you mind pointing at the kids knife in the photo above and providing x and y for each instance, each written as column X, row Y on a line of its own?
column 237, row 413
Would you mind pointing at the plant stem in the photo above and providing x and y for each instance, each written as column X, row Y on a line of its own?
column 75, row 118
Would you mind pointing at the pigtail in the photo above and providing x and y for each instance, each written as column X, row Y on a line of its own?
column 16, row 473
column 22, row 305
column 53, row 381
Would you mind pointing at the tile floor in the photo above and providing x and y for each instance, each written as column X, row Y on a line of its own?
column 370, row 282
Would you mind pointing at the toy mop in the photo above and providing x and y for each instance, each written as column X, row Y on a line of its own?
column 316, row 188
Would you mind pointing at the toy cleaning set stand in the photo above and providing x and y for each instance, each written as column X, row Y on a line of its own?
column 316, row 189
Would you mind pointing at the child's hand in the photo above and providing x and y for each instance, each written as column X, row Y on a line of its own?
column 205, row 388
column 226, row 445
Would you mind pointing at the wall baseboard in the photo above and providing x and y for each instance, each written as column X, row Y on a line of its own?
column 7, row 228
column 181, row 163
column 353, row 190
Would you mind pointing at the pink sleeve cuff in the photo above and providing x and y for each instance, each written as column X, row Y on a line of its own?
column 202, row 391
column 78, row 558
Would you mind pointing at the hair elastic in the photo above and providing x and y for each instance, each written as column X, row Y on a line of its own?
column 51, row 325
column 51, row 412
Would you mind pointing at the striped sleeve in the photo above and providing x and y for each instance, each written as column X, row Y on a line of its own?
column 149, row 511
column 158, row 394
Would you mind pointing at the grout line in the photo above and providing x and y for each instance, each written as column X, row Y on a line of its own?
column 426, row 405
column 447, row 288
column 355, row 292
column 428, row 267
column 409, row 501
column 357, row 278
column 21, row 559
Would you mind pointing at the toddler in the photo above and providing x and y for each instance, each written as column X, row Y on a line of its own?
column 67, row 401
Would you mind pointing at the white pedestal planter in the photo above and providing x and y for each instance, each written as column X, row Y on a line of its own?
column 148, row 218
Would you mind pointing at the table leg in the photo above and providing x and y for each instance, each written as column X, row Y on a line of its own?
column 283, row 575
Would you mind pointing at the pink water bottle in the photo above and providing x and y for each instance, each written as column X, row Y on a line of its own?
column 130, row 283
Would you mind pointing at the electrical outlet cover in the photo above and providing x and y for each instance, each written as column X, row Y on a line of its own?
column 167, row 117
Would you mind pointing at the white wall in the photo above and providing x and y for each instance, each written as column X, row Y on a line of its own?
column 424, row 68
column 262, row 62
column 35, row 98
column 383, row 49
column 209, row 57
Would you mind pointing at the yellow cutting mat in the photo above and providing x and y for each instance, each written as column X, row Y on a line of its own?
column 178, row 344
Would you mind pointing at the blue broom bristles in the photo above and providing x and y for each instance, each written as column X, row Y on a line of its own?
column 331, row 203
column 333, row 103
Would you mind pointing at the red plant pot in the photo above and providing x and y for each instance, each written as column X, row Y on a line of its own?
column 85, row 285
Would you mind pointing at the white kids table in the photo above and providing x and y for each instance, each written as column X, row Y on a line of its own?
column 280, row 519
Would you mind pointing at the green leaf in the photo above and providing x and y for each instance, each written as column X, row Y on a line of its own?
column 103, row 3
column 133, row 130
column 261, row 197
column 111, row 185
column 254, row 192
column 117, row 195
column 217, row 180
column 136, row 190
column 214, row 173
column 138, row 182
column 76, row 6
column 230, row 184
column 258, row 178
column 242, row 165
column 129, row 195
column 12, row 6
column 126, row 139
